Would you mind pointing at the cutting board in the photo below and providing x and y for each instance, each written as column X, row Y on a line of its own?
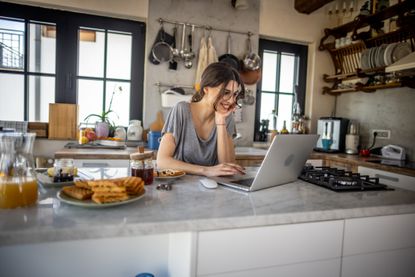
column 63, row 121
column 158, row 124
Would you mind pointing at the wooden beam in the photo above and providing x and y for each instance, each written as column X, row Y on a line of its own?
column 309, row 6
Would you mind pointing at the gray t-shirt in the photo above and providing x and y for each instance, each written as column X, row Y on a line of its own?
column 189, row 147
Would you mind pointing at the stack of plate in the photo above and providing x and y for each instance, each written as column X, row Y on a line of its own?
column 384, row 55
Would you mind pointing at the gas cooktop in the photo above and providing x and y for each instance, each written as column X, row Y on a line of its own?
column 340, row 180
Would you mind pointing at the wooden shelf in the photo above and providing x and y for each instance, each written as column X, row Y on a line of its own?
column 367, row 89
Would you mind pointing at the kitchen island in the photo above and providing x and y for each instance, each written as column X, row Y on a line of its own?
column 192, row 230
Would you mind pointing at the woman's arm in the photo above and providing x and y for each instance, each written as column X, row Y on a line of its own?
column 226, row 149
column 165, row 160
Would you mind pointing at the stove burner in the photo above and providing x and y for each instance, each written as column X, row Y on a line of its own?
column 339, row 179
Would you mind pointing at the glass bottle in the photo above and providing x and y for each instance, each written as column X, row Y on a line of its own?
column 284, row 129
column 18, row 185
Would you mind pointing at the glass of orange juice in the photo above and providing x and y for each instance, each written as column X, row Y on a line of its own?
column 18, row 185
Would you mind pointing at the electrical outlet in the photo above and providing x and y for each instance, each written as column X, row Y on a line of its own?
column 382, row 134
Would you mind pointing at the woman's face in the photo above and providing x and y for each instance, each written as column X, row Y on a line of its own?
column 227, row 101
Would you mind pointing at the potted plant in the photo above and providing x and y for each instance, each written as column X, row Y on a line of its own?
column 105, row 126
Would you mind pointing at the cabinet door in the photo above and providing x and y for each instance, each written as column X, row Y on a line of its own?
column 389, row 178
column 253, row 248
column 397, row 263
column 94, row 257
column 326, row 268
column 379, row 246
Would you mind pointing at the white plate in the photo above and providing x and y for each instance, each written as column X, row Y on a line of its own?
column 91, row 204
column 170, row 177
column 401, row 50
column 44, row 179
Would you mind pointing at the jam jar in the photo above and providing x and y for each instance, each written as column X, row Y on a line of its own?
column 141, row 165
column 64, row 170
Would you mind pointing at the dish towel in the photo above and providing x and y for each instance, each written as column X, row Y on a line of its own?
column 212, row 56
column 202, row 62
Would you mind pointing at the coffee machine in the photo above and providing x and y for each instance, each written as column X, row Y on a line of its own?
column 332, row 131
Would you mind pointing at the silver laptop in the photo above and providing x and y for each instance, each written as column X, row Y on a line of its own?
column 282, row 164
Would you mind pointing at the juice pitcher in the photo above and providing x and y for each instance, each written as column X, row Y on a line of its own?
column 18, row 185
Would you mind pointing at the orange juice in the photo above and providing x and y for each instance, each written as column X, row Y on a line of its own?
column 17, row 192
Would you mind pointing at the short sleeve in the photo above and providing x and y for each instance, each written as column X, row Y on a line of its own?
column 230, row 126
column 174, row 122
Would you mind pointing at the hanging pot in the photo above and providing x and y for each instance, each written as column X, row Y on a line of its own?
column 228, row 57
column 251, row 61
column 250, row 77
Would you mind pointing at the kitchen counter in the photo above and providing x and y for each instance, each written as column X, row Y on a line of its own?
column 242, row 153
column 191, row 207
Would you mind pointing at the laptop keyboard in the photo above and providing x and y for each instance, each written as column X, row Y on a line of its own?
column 244, row 182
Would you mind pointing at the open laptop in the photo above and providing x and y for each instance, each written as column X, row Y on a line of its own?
column 282, row 164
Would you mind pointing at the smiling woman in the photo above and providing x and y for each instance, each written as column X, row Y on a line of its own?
column 197, row 136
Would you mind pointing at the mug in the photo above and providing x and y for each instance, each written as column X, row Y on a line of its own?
column 326, row 143
column 154, row 139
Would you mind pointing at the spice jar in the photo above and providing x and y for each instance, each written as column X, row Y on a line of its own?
column 141, row 165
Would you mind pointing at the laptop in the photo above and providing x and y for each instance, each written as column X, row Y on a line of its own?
column 282, row 164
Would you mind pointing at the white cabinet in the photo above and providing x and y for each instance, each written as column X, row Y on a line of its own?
column 379, row 246
column 389, row 178
column 262, row 249
column 95, row 257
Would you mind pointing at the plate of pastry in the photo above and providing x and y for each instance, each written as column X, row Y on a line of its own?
column 168, row 174
column 103, row 193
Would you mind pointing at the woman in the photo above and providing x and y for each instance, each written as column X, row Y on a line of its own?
column 197, row 136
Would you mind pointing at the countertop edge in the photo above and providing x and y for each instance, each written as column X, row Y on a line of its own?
column 9, row 238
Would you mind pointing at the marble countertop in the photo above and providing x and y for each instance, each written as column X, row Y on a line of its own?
column 191, row 207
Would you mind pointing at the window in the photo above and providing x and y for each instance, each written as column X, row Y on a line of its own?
column 49, row 56
column 283, row 82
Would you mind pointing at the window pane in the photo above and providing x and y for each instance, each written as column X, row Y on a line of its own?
column 91, row 53
column 285, row 103
column 41, row 93
column 42, row 47
column 120, row 103
column 119, row 56
column 267, row 105
column 12, row 44
column 269, row 71
column 90, row 99
column 287, row 73
column 11, row 97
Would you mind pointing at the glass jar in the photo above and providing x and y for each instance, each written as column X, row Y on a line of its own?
column 63, row 170
column 18, row 184
column 143, row 169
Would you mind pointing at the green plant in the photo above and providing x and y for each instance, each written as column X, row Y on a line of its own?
column 104, row 116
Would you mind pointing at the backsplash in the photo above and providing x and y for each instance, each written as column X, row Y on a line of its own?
column 391, row 109
column 216, row 13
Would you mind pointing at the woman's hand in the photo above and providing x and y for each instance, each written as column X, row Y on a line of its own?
column 221, row 114
column 224, row 169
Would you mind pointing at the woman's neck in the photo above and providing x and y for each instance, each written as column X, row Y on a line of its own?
column 203, row 111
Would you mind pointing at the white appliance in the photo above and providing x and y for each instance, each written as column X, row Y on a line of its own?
column 395, row 152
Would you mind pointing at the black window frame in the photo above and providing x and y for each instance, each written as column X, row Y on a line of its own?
column 67, row 26
column 282, row 47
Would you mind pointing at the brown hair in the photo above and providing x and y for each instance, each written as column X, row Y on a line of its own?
column 217, row 74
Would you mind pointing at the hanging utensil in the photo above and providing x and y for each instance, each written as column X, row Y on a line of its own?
column 189, row 56
column 249, row 99
column 228, row 57
column 162, row 51
column 251, row 61
column 175, row 51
